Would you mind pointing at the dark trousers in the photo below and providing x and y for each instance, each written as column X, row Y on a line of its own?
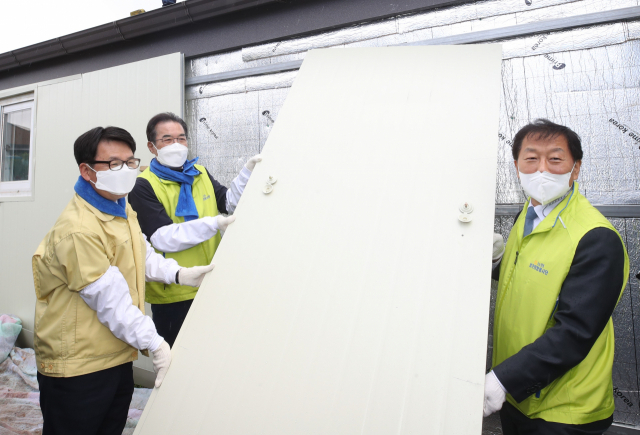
column 96, row 403
column 169, row 318
column 516, row 423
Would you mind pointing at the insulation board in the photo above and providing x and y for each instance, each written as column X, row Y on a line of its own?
column 352, row 299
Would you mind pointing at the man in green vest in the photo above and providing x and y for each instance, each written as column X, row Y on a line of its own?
column 178, row 204
column 563, row 271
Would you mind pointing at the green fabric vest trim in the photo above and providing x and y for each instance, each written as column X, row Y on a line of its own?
column 532, row 272
column 199, row 255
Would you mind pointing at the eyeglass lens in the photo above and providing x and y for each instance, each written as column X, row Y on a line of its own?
column 169, row 140
column 116, row 165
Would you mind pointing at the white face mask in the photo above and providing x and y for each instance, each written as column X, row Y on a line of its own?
column 173, row 155
column 545, row 187
column 116, row 182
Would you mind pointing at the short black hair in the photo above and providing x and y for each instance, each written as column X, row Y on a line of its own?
column 86, row 146
column 545, row 129
column 164, row 117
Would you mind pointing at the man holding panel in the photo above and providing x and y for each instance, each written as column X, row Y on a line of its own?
column 562, row 274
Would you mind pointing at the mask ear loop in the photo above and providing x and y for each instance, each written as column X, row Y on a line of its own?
column 526, row 197
column 543, row 210
column 92, row 170
column 572, row 168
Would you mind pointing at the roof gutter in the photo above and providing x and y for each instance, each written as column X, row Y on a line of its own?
column 128, row 28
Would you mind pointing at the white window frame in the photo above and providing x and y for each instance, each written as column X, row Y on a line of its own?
column 18, row 190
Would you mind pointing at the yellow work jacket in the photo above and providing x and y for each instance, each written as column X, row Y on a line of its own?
column 69, row 339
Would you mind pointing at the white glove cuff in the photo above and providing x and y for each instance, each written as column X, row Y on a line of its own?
column 492, row 374
column 155, row 342
column 212, row 221
column 498, row 257
column 245, row 173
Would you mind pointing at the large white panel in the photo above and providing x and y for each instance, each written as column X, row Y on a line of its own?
column 351, row 300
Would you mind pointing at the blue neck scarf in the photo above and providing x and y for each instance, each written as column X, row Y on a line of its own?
column 186, row 205
column 89, row 194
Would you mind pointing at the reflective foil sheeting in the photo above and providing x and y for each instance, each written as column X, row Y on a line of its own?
column 254, row 83
column 555, row 42
column 229, row 129
column 626, row 322
column 328, row 39
column 271, row 81
column 231, row 61
column 214, row 89
column 502, row 13
column 633, row 30
column 455, row 20
column 447, row 22
column 469, row 12
column 510, row 15
column 593, row 91
column 221, row 62
column 572, row 9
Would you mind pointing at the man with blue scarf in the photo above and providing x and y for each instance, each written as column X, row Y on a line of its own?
column 89, row 275
column 179, row 204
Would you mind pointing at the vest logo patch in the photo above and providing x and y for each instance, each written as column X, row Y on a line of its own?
column 536, row 265
column 205, row 197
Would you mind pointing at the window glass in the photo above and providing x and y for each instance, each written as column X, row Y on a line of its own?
column 16, row 138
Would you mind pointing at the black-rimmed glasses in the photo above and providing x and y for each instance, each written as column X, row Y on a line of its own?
column 182, row 140
column 117, row 164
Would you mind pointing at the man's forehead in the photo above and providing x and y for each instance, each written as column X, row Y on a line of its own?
column 169, row 128
column 557, row 142
column 113, row 148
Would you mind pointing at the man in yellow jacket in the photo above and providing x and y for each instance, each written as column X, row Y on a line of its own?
column 89, row 274
column 563, row 271
column 179, row 204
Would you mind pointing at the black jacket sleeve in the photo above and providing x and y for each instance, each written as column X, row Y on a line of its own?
column 587, row 299
column 495, row 273
column 151, row 213
column 221, row 194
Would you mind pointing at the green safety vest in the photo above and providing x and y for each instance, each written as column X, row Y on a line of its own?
column 199, row 255
column 532, row 272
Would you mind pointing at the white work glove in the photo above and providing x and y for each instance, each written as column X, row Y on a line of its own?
column 221, row 222
column 494, row 394
column 161, row 362
column 252, row 162
column 498, row 247
column 193, row 276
